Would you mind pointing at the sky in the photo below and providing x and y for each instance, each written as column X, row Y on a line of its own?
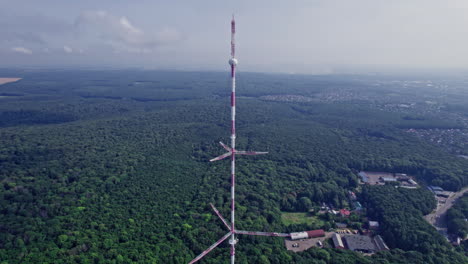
column 294, row 36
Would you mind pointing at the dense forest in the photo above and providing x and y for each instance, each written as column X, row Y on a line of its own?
column 112, row 166
column 400, row 212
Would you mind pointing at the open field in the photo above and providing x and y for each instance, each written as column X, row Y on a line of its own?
column 8, row 80
column 299, row 218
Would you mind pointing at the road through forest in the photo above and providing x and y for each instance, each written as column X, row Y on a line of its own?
column 437, row 217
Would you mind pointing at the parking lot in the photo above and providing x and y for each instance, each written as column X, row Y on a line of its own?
column 304, row 244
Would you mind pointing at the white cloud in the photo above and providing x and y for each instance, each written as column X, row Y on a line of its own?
column 121, row 34
column 125, row 24
column 168, row 35
column 92, row 32
column 67, row 49
column 34, row 31
column 22, row 50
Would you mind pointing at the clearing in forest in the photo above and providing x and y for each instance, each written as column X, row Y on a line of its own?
column 300, row 218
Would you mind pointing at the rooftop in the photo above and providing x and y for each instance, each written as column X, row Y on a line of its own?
column 337, row 241
column 341, row 225
column 436, row 188
column 316, row 233
column 360, row 243
column 389, row 179
column 345, row 212
column 380, row 243
column 364, row 176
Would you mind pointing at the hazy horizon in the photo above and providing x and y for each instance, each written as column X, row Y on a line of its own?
column 312, row 37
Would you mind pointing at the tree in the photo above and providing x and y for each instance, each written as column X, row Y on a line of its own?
column 305, row 204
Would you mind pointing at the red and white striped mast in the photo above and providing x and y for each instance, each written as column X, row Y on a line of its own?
column 232, row 152
column 233, row 63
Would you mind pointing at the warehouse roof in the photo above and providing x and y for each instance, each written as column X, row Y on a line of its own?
column 337, row 241
column 316, row 233
column 360, row 243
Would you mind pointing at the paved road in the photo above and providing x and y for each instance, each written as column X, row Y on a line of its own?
column 437, row 218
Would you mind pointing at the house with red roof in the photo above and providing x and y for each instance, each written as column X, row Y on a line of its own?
column 345, row 212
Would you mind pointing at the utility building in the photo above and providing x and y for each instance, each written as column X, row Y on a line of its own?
column 337, row 241
column 360, row 243
column 374, row 225
column 299, row 235
column 389, row 179
column 316, row 233
column 307, row 234
column 380, row 243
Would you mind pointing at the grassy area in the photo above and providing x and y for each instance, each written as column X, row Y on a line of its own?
column 300, row 218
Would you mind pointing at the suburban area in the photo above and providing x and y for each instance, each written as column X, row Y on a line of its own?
column 365, row 239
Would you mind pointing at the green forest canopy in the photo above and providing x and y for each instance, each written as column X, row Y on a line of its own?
column 111, row 167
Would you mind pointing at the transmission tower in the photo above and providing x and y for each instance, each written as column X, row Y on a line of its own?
column 232, row 152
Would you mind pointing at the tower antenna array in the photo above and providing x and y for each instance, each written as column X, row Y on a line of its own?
column 232, row 152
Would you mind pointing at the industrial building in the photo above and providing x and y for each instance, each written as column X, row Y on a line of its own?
column 412, row 182
column 382, row 178
column 337, row 241
column 360, row 243
column 308, row 234
column 389, row 179
column 436, row 188
column 380, row 243
column 364, row 177
column 443, row 194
